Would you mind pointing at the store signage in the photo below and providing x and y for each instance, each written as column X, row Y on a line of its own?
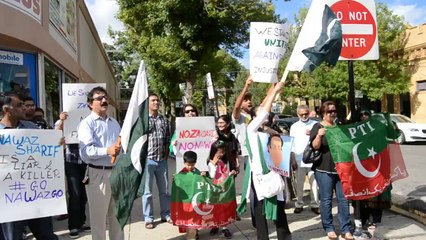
column 11, row 58
column 30, row 7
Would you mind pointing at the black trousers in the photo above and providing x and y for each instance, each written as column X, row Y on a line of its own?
column 77, row 197
column 261, row 224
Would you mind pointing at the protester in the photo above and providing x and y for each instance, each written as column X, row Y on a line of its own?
column 156, row 164
column 29, row 107
column 12, row 116
column 232, row 144
column 300, row 132
column 327, row 178
column 75, row 172
column 219, row 172
column 97, row 135
column 188, row 110
column 189, row 161
column 259, row 204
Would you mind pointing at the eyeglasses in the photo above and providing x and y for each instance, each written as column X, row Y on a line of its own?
column 99, row 98
column 331, row 111
column 190, row 110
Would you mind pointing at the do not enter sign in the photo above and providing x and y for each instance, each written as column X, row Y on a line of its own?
column 359, row 29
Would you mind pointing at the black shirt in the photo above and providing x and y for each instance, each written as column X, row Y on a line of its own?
column 326, row 163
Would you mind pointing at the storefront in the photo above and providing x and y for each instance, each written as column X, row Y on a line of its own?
column 46, row 43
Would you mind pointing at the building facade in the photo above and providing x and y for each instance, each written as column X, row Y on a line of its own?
column 44, row 43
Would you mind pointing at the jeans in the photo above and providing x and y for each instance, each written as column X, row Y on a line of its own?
column 41, row 228
column 159, row 170
column 327, row 183
column 77, row 197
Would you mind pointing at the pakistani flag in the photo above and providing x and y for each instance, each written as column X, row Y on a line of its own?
column 198, row 203
column 126, row 175
column 367, row 160
column 320, row 39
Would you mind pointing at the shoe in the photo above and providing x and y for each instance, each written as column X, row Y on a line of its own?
column 332, row 235
column 298, row 210
column 316, row 210
column 238, row 218
column 347, row 236
column 227, row 233
column 169, row 220
column 214, row 231
column 85, row 228
column 61, row 217
column 74, row 233
column 149, row 225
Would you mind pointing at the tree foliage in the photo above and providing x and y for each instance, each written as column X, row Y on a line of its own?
column 180, row 40
column 388, row 75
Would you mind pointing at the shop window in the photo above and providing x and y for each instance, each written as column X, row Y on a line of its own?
column 421, row 85
column 17, row 73
column 53, row 79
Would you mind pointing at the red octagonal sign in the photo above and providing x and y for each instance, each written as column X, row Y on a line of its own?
column 358, row 28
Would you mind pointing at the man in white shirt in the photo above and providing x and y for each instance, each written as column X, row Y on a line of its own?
column 300, row 131
column 97, row 136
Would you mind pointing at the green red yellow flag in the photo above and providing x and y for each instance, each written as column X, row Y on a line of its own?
column 366, row 157
column 198, row 203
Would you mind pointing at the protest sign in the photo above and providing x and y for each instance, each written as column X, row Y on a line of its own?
column 268, row 44
column 277, row 155
column 75, row 104
column 31, row 174
column 194, row 134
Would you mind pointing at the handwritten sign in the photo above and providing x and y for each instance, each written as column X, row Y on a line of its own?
column 75, row 104
column 277, row 159
column 32, row 178
column 268, row 44
column 194, row 134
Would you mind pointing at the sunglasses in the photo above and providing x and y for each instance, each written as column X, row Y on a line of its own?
column 190, row 110
column 331, row 111
column 304, row 114
column 100, row 98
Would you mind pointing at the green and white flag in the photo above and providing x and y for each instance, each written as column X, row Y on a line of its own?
column 127, row 173
column 320, row 40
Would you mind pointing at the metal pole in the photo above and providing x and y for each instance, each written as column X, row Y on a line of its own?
column 351, row 90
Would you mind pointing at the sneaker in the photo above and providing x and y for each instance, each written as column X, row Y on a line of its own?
column 168, row 219
column 316, row 210
column 85, row 228
column 74, row 233
column 214, row 231
column 227, row 233
column 298, row 210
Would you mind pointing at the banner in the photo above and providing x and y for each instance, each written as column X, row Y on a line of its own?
column 31, row 174
column 198, row 203
column 194, row 134
column 268, row 44
column 75, row 104
column 277, row 155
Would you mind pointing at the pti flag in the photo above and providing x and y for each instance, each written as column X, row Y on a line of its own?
column 367, row 160
column 198, row 203
column 320, row 39
column 127, row 173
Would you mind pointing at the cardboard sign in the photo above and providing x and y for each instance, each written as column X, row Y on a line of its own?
column 75, row 104
column 31, row 174
column 194, row 134
column 268, row 44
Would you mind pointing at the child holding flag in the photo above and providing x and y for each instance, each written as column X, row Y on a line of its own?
column 219, row 172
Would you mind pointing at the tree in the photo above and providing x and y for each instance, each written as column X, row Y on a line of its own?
column 179, row 39
column 389, row 75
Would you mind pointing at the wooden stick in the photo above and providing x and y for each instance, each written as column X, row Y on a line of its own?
column 114, row 158
column 284, row 77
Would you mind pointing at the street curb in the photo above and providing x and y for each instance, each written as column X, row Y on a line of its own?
column 409, row 207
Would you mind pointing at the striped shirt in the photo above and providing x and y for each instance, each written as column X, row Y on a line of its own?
column 158, row 137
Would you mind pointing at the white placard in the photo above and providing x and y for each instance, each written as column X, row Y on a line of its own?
column 75, row 104
column 268, row 44
column 31, row 174
column 194, row 134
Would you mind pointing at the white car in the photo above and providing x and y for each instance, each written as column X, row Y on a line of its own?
column 410, row 130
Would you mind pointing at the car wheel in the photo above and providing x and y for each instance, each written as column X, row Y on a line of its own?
column 401, row 138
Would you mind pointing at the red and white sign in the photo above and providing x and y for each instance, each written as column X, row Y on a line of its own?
column 359, row 29
column 30, row 7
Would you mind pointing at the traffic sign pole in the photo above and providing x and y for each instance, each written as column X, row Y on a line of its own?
column 351, row 90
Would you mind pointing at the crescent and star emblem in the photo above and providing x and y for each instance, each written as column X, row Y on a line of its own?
column 358, row 165
column 196, row 208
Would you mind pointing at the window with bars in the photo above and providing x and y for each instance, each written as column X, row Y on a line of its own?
column 421, row 85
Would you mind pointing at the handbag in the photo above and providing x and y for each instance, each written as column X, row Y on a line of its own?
column 311, row 155
column 268, row 185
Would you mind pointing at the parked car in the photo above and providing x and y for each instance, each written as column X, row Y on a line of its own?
column 410, row 130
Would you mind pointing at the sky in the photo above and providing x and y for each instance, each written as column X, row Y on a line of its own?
column 104, row 13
